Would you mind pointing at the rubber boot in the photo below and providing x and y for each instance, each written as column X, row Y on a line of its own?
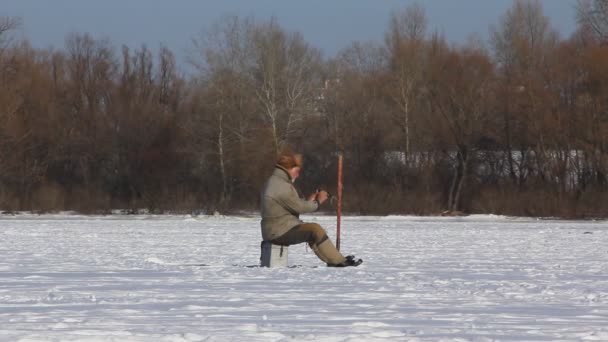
column 327, row 252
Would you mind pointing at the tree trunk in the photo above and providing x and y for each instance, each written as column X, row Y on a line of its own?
column 220, row 145
column 463, row 174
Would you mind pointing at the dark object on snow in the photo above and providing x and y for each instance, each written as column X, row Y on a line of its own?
column 588, row 233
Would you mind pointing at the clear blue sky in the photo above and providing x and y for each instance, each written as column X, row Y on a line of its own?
column 326, row 24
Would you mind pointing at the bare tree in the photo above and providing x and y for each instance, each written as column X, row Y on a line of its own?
column 26, row 135
column 90, row 70
column 7, row 24
column 169, row 82
column 590, row 112
column 406, row 48
column 358, row 122
column 10, row 101
column 406, row 25
column 256, row 84
column 347, row 79
column 461, row 93
column 523, row 43
column 7, row 68
column 224, row 58
column 594, row 14
column 286, row 79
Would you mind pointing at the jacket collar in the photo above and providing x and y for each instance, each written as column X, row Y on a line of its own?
column 282, row 173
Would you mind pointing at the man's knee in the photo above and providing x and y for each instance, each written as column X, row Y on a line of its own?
column 318, row 233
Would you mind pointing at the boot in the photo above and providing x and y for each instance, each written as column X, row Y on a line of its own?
column 327, row 252
column 350, row 261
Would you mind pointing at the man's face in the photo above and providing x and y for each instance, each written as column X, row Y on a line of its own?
column 294, row 172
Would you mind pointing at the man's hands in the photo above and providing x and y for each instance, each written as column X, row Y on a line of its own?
column 319, row 195
column 322, row 196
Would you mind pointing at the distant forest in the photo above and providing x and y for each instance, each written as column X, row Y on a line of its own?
column 515, row 125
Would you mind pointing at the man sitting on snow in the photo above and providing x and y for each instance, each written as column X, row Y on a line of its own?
column 281, row 207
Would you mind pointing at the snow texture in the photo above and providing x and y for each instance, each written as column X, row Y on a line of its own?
column 139, row 278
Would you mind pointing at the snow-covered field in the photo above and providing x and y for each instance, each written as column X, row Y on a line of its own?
column 133, row 278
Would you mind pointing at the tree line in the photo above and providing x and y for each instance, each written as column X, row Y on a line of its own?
column 516, row 125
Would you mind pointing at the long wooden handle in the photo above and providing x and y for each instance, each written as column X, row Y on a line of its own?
column 339, row 210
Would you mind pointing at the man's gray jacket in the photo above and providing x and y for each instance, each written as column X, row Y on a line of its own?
column 281, row 205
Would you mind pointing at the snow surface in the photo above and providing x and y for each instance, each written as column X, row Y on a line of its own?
column 134, row 278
